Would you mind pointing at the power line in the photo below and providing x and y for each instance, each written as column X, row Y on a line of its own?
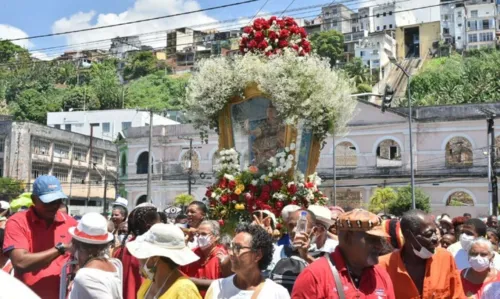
column 135, row 22
column 259, row 10
column 291, row 2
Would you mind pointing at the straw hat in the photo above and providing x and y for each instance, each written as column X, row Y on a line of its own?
column 92, row 229
column 163, row 240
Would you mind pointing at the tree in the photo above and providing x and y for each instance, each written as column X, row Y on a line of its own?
column 33, row 105
column 329, row 44
column 403, row 201
column 10, row 188
column 358, row 71
column 364, row 88
column 381, row 199
column 183, row 199
column 10, row 52
column 80, row 97
column 140, row 64
column 104, row 82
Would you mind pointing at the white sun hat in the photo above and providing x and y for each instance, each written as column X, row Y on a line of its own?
column 165, row 240
column 120, row 201
column 287, row 210
column 323, row 215
column 91, row 229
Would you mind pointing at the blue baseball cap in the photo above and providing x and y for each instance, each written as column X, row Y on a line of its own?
column 48, row 189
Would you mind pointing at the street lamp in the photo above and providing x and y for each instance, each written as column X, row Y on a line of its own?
column 394, row 61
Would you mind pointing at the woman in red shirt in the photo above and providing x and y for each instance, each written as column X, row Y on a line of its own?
column 481, row 273
column 213, row 257
column 139, row 222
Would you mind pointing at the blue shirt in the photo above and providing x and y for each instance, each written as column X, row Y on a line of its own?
column 285, row 240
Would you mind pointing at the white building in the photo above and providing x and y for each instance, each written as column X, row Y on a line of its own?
column 108, row 123
column 121, row 45
column 336, row 17
column 371, row 50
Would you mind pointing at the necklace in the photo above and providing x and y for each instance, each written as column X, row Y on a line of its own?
column 160, row 289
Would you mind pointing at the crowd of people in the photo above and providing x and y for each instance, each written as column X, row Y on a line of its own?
column 318, row 252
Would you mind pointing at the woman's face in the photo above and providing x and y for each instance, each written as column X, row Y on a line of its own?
column 117, row 217
column 481, row 250
column 194, row 216
column 492, row 237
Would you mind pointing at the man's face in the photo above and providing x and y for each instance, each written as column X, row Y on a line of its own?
column 447, row 240
column 493, row 238
column 426, row 236
column 241, row 255
column 365, row 248
column 492, row 221
column 47, row 211
column 469, row 230
column 292, row 223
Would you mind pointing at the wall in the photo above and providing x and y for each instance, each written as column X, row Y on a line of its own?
column 428, row 34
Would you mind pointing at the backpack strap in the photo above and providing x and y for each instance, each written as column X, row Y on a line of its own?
column 336, row 277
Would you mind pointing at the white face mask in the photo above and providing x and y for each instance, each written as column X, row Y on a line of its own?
column 149, row 272
column 466, row 241
column 423, row 253
column 204, row 241
column 479, row 263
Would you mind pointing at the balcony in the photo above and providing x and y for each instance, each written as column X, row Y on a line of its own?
column 355, row 36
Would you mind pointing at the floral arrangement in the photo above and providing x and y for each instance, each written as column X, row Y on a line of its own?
column 236, row 194
column 272, row 36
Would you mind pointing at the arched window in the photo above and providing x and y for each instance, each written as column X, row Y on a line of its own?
column 141, row 199
column 388, row 154
column 460, row 199
column 458, row 152
column 142, row 163
column 345, row 155
column 123, row 164
column 195, row 161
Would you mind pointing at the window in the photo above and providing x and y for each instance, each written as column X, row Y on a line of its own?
column 78, row 177
column 361, row 53
column 486, row 24
column 445, row 17
column 378, row 28
column 57, row 126
column 67, row 127
column 390, row 26
column 38, row 170
column 80, row 154
column 126, row 125
column 61, row 174
column 123, row 164
column 111, row 160
column 334, row 11
column 345, row 155
column 390, row 13
column 376, row 61
column 459, row 14
column 95, row 178
column 473, row 13
column 460, row 25
column 2, row 144
column 334, row 23
column 97, row 157
column 142, row 163
column 1, row 168
column 472, row 25
column 384, row 14
column 106, row 128
column 375, row 52
column 378, row 15
column 366, row 16
column 61, row 151
column 446, row 31
column 40, row 147
column 385, row 27
column 486, row 37
column 459, row 151
column 473, row 38
column 361, row 26
column 459, row 37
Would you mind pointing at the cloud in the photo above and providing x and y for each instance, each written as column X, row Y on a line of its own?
column 11, row 32
column 142, row 9
column 41, row 55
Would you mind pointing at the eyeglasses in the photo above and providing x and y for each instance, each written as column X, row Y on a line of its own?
column 236, row 248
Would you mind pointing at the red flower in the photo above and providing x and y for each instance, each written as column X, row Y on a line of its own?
column 294, row 30
column 302, row 32
column 269, row 53
column 294, row 202
column 279, row 205
column 223, row 183
column 267, row 207
column 284, row 34
column 252, row 189
column 272, row 19
column 259, row 203
column 252, row 44
column 232, row 185
column 212, row 203
column 272, row 36
column 264, row 196
column 248, row 197
column 224, row 199
column 305, row 43
column 248, row 30
column 221, row 222
column 295, row 47
column 260, row 24
column 292, row 189
column 309, row 185
column 208, row 193
column 290, row 21
column 281, row 23
column 279, row 226
column 243, row 41
column 276, row 185
column 259, row 36
column 266, row 189
column 235, row 197
column 242, row 49
column 283, row 43
column 263, row 45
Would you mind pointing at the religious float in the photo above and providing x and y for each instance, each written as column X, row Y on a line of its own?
column 272, row 107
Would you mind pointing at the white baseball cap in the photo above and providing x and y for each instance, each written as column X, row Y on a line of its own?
column 120, row 201
column 163, row 240
column 323, row 215
column 4, row 205
column 91, row 229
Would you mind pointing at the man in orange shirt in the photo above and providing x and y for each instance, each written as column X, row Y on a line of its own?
column 420, row 269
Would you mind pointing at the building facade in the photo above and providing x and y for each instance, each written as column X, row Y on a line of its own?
column 107, row 123
column 372, row 51
column 29, row 150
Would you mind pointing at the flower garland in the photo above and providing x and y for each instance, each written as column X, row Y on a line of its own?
column 272, row 36
column 236, row 194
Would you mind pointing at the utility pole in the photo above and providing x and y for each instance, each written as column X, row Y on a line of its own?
column 150, row 156
column 90, row 161
column 190, row 162
column 334, row 171
column 492, row 188
column 105, row 199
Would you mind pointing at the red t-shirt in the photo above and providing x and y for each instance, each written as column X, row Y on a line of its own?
column 473, row 290
column 25, row 230
column 132, row 278
column 316, row 281
column 207, row 267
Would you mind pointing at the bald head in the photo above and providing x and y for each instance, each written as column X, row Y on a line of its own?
column 412, row 221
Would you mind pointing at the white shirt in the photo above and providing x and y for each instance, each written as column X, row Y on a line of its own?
column 462, row 257
column 329, row 246
column 10, row 288
column 225, row 289
column 92, row 283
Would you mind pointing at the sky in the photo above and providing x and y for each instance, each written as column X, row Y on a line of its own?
column 22, row 18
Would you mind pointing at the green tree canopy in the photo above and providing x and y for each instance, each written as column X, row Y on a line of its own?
column 140, row 64
column 80, row 97
column 10, row 52
column 104, row 81
column 403, row 201
column 329, row 44
column 33, row 105
column 381, row 199
column 358, row 71
column 10, row 188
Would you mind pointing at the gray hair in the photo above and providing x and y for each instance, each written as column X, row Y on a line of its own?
column 214, row 225
column 482, row 241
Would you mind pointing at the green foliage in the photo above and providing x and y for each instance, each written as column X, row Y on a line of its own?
column 329, row 44
column 403, row 202
column 106, row 85
column 364, row 88
column 33, row 105
column 10, row 188
column 80, row 97
column 10, row 52
column 381, row 199
column 157, row 91
column 357, row 71
column 140, row 64
column 458, row 80
column 183, row 199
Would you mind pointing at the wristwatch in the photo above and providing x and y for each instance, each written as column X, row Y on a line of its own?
column 60, row 247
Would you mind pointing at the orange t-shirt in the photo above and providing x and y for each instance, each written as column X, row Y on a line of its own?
column 472, row 290
column 441, row 277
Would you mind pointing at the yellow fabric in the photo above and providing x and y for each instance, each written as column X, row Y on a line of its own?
column 182, row 288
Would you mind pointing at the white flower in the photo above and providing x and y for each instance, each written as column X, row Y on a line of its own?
column 263, row 177
column 269, row 48
column 270, row 174
column 282, row 161
column 290, row 184
column 292, row 146
column 229, row 177
column 287, row 149
column 273, row 161
column 255, row 182
column 244, row 35
column 290, row 157
column 213, row 195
